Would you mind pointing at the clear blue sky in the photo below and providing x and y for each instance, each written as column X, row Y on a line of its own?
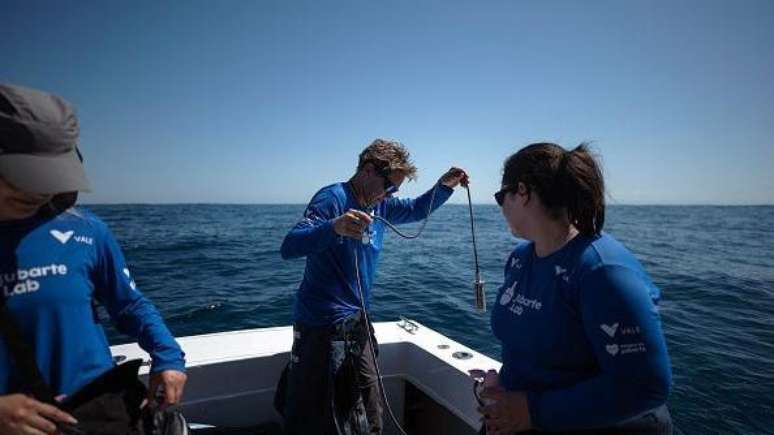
column 266, row 101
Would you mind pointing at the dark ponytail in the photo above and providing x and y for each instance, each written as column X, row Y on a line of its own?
column 564, row 180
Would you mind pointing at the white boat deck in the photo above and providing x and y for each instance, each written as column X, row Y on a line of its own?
column 232, row 375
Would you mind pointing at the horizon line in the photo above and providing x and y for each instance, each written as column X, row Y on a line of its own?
column 460, row 204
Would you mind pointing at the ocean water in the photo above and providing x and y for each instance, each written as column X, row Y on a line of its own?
column 217, row 267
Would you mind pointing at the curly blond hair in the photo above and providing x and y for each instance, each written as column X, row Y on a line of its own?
column 388, row 155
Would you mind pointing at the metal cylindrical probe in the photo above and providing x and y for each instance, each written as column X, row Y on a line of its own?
column 478, row 288
column 478, row 284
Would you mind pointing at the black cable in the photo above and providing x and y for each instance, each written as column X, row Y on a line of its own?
column 424, row 222
column 373, row 350
column 472, row 231
column 478, row 283
column 367, row 321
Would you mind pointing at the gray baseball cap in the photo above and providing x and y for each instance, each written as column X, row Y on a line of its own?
column 39, row 142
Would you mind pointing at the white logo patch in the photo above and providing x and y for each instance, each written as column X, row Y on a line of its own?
column 84, row 239
column 609, row 330
column 508, row 294
column 132, row 284
column 28, row 280
column 62, row 237
column 563, row 273
column 515, row 262
column 612, row 349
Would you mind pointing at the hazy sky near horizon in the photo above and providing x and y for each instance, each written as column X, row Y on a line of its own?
column 267, row 101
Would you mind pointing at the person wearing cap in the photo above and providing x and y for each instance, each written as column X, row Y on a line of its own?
column 56, row 261
column 341, row 240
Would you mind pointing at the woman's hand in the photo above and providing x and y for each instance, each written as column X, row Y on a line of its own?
column 173, row 382
column 22, row 415
column 508, row 414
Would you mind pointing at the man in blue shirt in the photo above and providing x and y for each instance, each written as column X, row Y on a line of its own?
column 341, row 239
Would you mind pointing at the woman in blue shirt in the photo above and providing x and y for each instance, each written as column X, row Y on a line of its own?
column 582, row 345
column 55, row 261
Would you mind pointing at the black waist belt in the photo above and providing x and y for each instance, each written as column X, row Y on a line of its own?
column 347, row 329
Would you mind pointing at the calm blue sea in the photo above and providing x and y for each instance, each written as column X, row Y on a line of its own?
column 217, row 267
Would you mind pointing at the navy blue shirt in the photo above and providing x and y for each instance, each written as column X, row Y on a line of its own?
column 51, row 269
column 581, row 334
column 328, row 292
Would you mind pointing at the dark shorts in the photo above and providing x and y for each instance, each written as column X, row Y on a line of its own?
column 330, row 383
column 655, row 422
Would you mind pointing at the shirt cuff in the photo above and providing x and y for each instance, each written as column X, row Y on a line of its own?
column 164, row 366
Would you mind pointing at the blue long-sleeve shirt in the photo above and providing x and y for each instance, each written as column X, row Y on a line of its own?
column 581, row 335
column 328, row 292
column 51, row 269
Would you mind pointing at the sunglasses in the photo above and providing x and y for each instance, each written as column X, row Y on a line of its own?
column 389, row 187
column 499, row 196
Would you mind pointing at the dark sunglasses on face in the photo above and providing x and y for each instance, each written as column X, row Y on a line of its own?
column 389, row 187
column 499, row 196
